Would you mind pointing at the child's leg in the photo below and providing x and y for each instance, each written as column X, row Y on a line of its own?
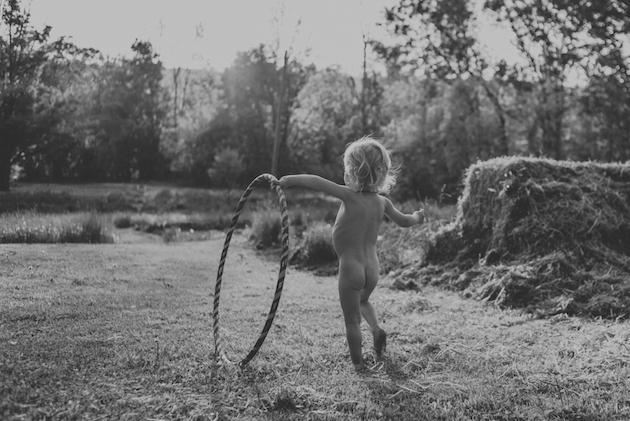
column 368, row 313
column 351, row 280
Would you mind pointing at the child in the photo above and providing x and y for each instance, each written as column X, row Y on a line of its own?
column 367, row 172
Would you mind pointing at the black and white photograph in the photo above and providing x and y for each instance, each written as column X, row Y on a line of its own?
column 217, row 210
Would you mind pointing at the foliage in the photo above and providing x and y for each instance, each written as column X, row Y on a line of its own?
column 559, row 42
column 325, row 119
column 227, row 168
column 29, row 100
column 436, row 130
column 130, row 112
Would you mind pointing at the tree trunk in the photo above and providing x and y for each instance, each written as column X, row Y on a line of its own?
column 279, row 111
column 363, row 91
column 503, row 147
column 5, row 169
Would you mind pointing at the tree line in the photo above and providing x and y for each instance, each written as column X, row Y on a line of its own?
column 68, row 113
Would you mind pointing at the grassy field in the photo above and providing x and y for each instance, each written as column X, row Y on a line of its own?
column 123, row 331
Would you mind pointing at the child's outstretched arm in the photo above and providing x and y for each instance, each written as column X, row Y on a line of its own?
column 403, row 219
column 315, row 182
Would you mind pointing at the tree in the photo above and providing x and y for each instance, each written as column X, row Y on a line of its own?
column 227, row 168
column 325, row 118
column 148, row 110
column 437, row 39
column 130, row 110
column 23, row 51
column 252, row 86
column 606, row 100
column 558, row 38
column 60, row 123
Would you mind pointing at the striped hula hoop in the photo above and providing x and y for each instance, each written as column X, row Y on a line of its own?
column 275, row 185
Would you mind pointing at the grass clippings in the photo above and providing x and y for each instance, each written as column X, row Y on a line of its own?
column 548, row 236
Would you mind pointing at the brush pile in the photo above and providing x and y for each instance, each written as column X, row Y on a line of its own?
column 549, row 236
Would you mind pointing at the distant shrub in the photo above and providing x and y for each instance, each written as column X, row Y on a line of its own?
column 266, row 228
column 163, row 200
column 227, row 167
column 316, row 247
column 29, row 227
column 170, row 234
column 123, row 221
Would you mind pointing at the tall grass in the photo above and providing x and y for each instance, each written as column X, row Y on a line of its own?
column 316, row 247
column 266, row 228
column 158, row 222
column 31, row 227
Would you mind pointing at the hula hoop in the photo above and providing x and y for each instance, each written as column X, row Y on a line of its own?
column 275, row 185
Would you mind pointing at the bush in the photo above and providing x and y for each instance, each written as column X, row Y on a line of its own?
column 123, row 221
column 266, row 228
column 316, row 247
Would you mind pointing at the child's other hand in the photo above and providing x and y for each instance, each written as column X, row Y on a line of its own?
column 283, row 182
column 419, row 215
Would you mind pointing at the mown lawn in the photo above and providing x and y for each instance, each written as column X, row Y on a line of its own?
column 123, row 331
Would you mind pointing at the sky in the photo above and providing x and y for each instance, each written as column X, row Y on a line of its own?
column 202, row 33
column 209, row 33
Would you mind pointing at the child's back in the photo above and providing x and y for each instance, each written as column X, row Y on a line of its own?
column 357, row 224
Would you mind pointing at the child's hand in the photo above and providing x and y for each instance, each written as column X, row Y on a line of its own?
column 419, row 215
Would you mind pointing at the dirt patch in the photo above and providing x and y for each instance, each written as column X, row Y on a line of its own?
column 549, row 236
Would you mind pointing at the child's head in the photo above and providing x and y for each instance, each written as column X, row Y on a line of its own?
column 368, row 167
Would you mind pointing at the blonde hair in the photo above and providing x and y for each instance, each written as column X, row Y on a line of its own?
column 368, row 167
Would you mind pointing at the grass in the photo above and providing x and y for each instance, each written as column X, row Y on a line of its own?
column 124, row 332
column 100, row 332
column 29, row 227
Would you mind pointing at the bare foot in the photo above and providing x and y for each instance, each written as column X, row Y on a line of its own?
column 380, row 342
column 360, row 368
